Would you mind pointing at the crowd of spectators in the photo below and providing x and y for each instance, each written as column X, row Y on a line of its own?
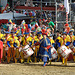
column 44, row 14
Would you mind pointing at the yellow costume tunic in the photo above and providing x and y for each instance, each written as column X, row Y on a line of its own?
column 11, row 41
column 23, row 41
column 17, row 43
column 52, row 41
column 17, row 50
column 72, row 38
column 59, row 40
column 1, row 35
column 66, row 40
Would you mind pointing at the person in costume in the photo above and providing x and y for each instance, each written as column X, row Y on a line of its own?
column 1, row 50
column 28, row 41
column 11, row 51
column 59, row 43
column 34, row 40
column 39, row 36
column 1, row 35
column 66, row 42
column 16, row 48
column 44, row 50
column 22, row 44
column 51, row 41
column 72, row 42
column 5, row 47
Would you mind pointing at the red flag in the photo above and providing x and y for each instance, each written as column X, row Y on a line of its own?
column 5, row 7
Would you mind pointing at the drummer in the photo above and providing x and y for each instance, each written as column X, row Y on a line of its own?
column 72, row 41
column 22, row 44
column 59, row 43
column 28, row 41
column 66, row 42
column 11, row 51
column 34, row 37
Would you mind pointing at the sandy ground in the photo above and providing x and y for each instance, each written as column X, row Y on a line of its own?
column 37, row 69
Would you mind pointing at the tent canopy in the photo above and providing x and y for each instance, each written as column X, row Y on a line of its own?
column 11, row 16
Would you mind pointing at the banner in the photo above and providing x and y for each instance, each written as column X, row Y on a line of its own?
column 66, row 5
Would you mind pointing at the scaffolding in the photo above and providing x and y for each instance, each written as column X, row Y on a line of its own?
column 60, row 16
column 48, row 6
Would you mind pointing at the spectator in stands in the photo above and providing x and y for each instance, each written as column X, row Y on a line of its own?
column 73, row 6
column 29, row 3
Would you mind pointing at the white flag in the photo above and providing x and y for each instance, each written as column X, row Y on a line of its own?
column 66, row 5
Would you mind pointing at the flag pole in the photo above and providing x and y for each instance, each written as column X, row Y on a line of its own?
column 66, row 5
column 56, row 17
column 67, row 17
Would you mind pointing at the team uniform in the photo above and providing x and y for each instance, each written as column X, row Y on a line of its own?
column 59, row 42
column 11, row 51
column 5, row 47
column 16, row 48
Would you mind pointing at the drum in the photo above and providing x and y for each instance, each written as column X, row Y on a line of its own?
column 71, row 46
column 64, row 51
column 27, row 51
column 54, row 53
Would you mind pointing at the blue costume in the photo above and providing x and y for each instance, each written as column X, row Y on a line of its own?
column 44, row 43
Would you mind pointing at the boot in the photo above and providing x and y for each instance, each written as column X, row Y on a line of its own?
column 66, row 62
column 44, row 64
column 15, row 60
column 50, row 62
column 28, row 60
column 8, row 59
column 74, row 58
column 35, row 59
column 22, row 60
column 63, row 60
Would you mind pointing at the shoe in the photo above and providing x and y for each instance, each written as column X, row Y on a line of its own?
column 31, row 61
column 44, row 64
